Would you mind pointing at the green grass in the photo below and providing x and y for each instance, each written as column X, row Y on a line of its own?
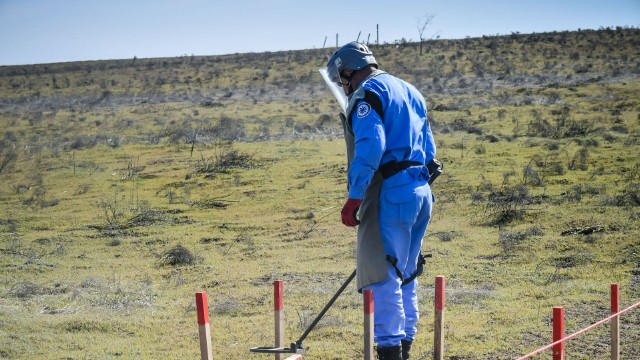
column 245, row 169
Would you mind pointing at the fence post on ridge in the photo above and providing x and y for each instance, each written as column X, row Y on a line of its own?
column 615, row 322
column 558, row 332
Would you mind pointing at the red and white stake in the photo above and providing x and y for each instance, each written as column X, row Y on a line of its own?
column 558, row 332
column 615, row 322
column 202, row 305
column 278, row 315
column 368, row 325
column 438, row 323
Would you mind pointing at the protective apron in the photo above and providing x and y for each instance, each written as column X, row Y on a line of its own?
column 371, row 259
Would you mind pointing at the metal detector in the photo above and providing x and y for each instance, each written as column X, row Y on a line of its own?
column 296, row 347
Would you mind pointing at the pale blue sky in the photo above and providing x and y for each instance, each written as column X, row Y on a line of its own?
column 45, row 31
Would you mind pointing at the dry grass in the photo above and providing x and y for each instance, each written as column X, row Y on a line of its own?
column 120, row 199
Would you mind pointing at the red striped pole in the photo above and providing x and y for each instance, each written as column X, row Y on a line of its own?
column 278, row 314
column 558, row 332
column 368, row 324
column 438, row 323
column 202, row 306
column 615, row 322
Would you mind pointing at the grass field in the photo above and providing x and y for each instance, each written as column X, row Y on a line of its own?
column 128, row 185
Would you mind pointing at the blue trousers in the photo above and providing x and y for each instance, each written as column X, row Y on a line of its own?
column 405, row 210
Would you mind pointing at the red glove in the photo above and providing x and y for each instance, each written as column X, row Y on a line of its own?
column 349, row 211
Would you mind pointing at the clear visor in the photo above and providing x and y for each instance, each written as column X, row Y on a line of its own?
column 335, row 88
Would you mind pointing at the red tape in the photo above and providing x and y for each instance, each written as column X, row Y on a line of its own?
column 368, row 301
column 202, row 305
column 615, row 298
column 440, row 292
column 578, row 333
column 278, row 295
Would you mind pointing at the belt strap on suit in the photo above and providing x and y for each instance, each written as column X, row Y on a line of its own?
column 393, row 167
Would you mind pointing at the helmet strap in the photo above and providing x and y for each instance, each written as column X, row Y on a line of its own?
column 349, row 83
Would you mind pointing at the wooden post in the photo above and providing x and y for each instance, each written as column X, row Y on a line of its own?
column 615, row 322
column 438, row 322
column 202, row 306
column 368, row 325
column 558, row 332
column 278, row 304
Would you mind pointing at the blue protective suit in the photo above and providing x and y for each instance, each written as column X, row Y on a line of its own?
column 389, row 126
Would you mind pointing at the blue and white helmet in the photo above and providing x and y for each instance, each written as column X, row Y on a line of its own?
column 353, row 55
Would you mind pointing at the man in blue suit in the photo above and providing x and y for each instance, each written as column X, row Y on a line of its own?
column 387, row 128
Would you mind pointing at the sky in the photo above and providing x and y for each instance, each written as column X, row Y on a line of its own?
column 48, row 31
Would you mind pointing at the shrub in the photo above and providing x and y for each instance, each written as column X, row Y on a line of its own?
column 323, row 121
column 224, row 160
column 539, row 126
column 6, row 158
column 531, row 176
column 26, row 289
column 574, row 128
column 479, row 150
column 587, row 142
column 489, row 138
column 81, row 142
column 509, row 240
column 552, row 145
column 579, row 161
column 446, row 235
column 177, row 255
column 607, row 136
column 507, row 204
column 620, row 129
column 554, row 168
column 114, row 242
column 576, row 192
column 629, row 196
column 227, row 129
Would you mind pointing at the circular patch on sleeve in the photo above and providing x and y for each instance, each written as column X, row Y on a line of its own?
column 363, row 109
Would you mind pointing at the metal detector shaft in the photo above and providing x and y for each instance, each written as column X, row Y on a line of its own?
column 326, row 307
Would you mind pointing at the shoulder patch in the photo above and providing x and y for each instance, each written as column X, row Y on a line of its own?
column 363, row 109
column 372, row 99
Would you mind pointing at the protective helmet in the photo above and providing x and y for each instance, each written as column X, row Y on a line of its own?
column 353, row 55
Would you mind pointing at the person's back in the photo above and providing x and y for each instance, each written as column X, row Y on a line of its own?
column 407, row 130
column 391, row 126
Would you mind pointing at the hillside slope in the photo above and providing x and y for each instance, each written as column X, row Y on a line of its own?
column 128, row 185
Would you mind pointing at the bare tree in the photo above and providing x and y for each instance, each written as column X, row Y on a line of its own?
column 422, row 23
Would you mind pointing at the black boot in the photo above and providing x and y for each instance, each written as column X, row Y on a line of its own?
column 406, row 346
column 390, row 353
